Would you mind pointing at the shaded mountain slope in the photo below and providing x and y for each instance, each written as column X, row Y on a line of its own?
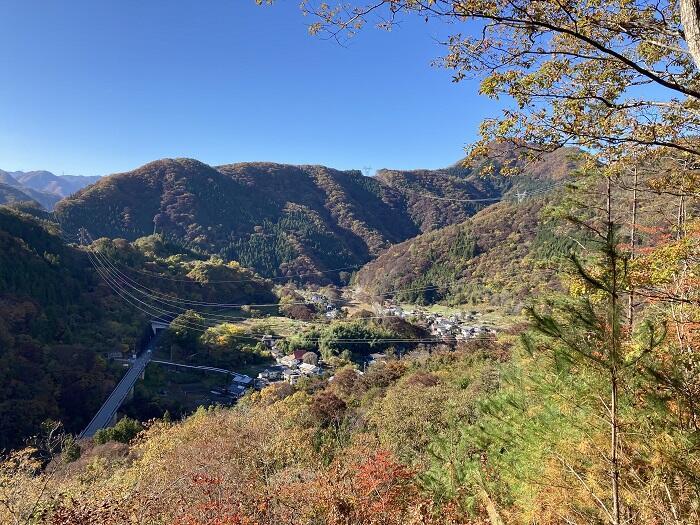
column 11, row 194
column 500, row 256
column 58, row 317
column 53, row 326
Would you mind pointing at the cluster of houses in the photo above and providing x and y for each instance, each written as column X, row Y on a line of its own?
column 289, row 368
column 456, row 327
column 302, row 363
column 331, row 311
column 240, row 383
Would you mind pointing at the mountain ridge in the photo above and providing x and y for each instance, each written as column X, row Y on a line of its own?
column 48, row 182
column 283, row 219
column 41, row 186
column 502, row 255
column 12, row 194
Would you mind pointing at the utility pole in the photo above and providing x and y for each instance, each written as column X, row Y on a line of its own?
column 521, row 196
column 367, row 170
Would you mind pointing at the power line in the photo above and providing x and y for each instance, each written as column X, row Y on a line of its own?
column 175, row 302
column 311, row 273
column 149, row 309
column 157, row 295
column 117, row 286
column 103, row 270
column 215, row 318
column 537, row 191
column 140, row 287
column 226, row 305
column 204, row 327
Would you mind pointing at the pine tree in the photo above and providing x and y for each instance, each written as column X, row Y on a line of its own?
column 589, row 331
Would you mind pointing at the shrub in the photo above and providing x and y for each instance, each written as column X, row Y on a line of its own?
column 70, row 450
column 124, row 431
column 327, row 408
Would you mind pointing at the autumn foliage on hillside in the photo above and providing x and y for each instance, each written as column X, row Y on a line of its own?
column 501, row 256
column 484, row 434
column 285, row 220
column 59, row 318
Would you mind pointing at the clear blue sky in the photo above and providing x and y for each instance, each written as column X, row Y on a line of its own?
column 93, row 87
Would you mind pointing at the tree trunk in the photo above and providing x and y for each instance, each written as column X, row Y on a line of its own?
column 613, row 351
column 681, row 217
column 614, row 450
column 633, row 242
column 491, row 510
column 690, row 19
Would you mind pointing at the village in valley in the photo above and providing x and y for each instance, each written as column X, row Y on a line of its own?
column 446, row 329
column 180, row 385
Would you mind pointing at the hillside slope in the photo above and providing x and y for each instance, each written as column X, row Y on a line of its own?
column 500, row 256
column 11, row 194
column 58, row 318
column 276, row 219
column 438, row 198
column 54, row 324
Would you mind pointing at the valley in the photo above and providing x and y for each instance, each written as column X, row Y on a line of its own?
column 234, row 325
column 388, row 315
column 193, row 272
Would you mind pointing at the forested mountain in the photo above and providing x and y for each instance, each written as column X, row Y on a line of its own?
column 576, row 402
column 437, row 198
column 58, row 317
column 54, row 323
column 276, row 219
column 282, row 219
column 502, row 255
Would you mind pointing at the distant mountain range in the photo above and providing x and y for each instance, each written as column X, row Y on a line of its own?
column 284, row 220
column 42, row 187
